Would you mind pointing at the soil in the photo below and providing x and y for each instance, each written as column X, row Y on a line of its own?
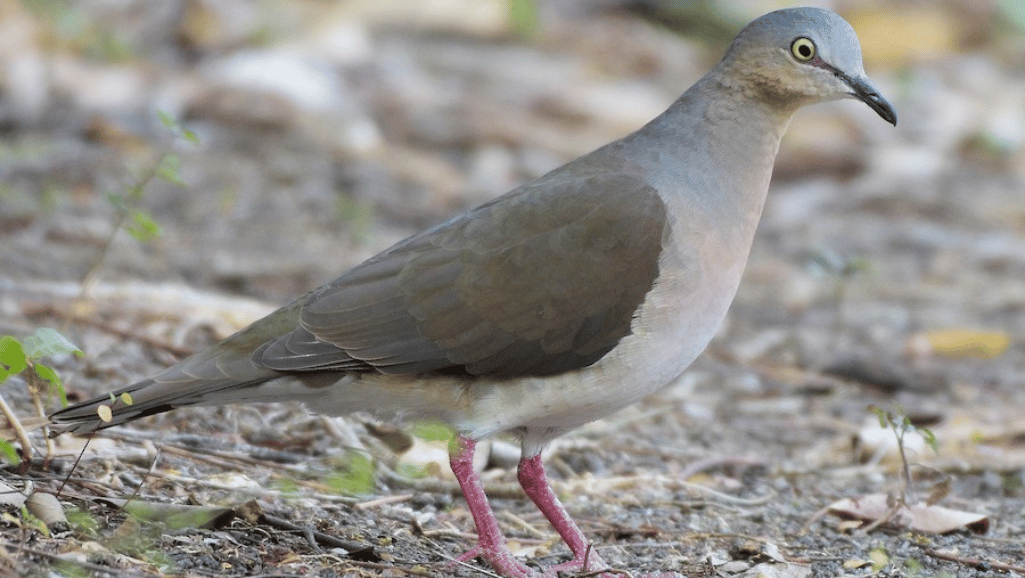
column 888, row 273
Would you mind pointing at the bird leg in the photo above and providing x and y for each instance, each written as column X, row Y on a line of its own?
column 491, row 544
column 531, row 475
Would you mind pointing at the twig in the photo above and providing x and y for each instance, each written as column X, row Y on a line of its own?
column 383, row 566
column 976, row 563
column 35, row 390
column 12, row 418
column 885, row 518
column 728, row 498
column 74, row 466
column 382, row 501
column 523, row 524
column 321, row 537
column 263, row 492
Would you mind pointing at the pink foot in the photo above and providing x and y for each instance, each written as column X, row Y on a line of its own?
column 531, row 475
column 491, row 544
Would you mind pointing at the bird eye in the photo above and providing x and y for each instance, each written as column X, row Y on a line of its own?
column 803, row 49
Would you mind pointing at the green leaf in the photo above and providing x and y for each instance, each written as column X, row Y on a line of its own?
column 9, row 453
column 143, row 227
column 175, row 127
column 523, row 15
column 432, row 431
column 190, row 136
column 46, row 341
column 83, row 522
column 170, row 170
column 177, row 516
column 118, row 202
column 930, row 439
column 286, row 486
column 135, row 192
column 884, row 420
column 12, row 357
column 357, row 480
column 30, row 520
column 169, row 122
column 51, row 377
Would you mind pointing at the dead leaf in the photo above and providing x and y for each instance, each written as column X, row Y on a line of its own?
column 920, row 517
column 895, row 37
column 46, row 507
column 960, row 343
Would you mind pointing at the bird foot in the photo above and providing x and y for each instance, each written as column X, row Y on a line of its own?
column 570, row 570
column 506, row 565
column 501, row 560
column 590, row 564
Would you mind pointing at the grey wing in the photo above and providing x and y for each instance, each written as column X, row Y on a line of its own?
column 544, row 280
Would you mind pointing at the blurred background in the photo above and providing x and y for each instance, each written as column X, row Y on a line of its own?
column 169, row 171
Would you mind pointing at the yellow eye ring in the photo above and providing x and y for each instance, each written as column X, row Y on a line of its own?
column 803, row 49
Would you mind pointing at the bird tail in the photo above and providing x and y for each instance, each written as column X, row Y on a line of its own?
column 150, row 397
column 221, row 375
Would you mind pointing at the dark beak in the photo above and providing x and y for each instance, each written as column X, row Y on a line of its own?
column 863, row 90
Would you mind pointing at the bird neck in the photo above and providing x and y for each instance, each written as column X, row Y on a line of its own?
column 731, row 139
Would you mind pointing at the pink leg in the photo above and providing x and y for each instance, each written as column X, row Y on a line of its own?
column 531, row 474
column 490, row 540
column 491, row 544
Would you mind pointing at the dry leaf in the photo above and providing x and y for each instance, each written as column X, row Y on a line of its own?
column 893, row 37
column 960, row 343
column 920, row 517
column 46, row 507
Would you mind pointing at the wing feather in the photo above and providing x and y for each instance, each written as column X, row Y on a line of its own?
column 545, row 281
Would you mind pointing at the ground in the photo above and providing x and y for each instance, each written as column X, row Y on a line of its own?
column 888, row 272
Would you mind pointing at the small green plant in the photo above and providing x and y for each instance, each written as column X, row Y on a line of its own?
column 359, row 215
column 28, row 520
column 24, row 358
column 880, row 558
column 131, row 218
column 524, row 17
column 432, row 431
column 83, row 522
column 140, row 539
column 356, row 479
column 900, row 424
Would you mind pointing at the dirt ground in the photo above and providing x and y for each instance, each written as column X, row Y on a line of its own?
column 888, row 272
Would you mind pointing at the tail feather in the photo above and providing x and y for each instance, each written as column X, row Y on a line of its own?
column 150, row 397
column 223, row 374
